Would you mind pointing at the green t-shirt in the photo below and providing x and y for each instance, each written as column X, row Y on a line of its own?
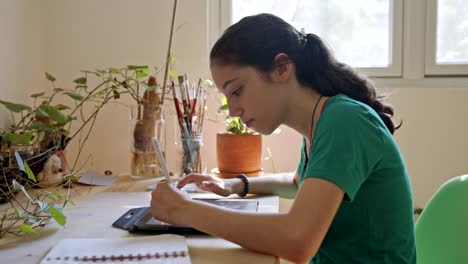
column 353, row 148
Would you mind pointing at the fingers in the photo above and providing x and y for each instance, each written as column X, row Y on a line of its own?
column 212, row 187
column 194, row 178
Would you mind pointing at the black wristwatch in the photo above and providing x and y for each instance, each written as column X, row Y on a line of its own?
column 246, row 185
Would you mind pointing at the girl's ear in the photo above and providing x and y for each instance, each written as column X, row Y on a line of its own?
column 283, row 67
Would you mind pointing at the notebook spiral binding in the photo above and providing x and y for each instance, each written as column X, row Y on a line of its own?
column 164, row 255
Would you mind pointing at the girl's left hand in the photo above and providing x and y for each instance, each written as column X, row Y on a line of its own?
column 168, row 203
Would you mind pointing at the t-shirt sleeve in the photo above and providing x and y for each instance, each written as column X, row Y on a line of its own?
column 345, row 148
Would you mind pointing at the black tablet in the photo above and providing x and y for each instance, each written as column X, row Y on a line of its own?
column 140, row 219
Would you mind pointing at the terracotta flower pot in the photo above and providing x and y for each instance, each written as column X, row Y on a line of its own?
column 238, row 153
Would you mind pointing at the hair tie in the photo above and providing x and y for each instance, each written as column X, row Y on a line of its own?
column 303, row 36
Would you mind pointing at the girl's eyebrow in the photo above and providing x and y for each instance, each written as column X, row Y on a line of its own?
column 228, row 82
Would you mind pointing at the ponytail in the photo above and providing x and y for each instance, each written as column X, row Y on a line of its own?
column 319, row 68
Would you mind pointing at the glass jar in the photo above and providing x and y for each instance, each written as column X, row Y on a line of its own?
column 146, row 122
column 190, row 152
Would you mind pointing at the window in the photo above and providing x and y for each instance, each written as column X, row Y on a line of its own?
column 361, row 33
column 408, row 39
column 447, row 38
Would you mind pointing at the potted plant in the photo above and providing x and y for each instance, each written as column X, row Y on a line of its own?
column 238, row 149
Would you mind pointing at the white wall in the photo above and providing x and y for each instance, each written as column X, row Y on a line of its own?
column 89, row 34
column 22, row 57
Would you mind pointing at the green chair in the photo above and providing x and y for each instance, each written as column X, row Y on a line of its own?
column 442, row 227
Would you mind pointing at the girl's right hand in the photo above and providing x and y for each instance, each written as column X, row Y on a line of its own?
column 210, row 183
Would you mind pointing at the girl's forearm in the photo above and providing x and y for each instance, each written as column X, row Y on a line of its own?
column 266, row 233
column 280, row 184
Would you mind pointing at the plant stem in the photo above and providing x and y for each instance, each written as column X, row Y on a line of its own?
column 169, row 51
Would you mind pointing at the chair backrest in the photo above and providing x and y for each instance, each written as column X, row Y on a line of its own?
column 442, row 227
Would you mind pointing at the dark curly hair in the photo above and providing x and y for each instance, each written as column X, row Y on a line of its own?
column 256, row 40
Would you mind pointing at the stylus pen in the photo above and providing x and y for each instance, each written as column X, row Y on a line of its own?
column 162, row 162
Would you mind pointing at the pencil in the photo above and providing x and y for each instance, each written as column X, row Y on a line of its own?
column 162, row 162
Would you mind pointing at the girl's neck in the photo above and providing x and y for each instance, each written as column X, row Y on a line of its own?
column 300, row 108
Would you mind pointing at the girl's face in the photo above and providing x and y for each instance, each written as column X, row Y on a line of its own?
column 255, row 98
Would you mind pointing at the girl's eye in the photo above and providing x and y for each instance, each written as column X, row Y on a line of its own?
column 237, row 92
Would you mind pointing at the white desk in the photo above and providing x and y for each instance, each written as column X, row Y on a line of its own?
column 92, row 218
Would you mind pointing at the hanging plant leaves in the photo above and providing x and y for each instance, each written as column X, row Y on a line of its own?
column 57, row 214
column 58, row 90
column 50, row 77
column 140, row 73
column 137, row 67
column 74, row 95
column 26, row 216
column 15, row 107
column 61, row 107
column 25, row 228
column 114, row 71
column 37, row 95
column 81, row 80
column 19, row 160
column 54, row 114
column 20, row 139
column 29, row 172
column 18, row 186
column 44, row 206
column 42, row 127
column 92, row 72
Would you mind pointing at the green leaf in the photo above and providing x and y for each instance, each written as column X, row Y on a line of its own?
column 37, row 95
column 142, row 73
column 173, row 74
column 172, row 60
column 18, row 186
column 81, row 80
column 40, row 112
column 27, row 228
column 42, row 127
column 61, row 107
column 15, row 107
column 28, row 217
column 81, row 86
column 54, row 114
column 44, row 206
column 93, row 72
column 74, row 95
column 29, row 172
column 50, row 77
column 208, row 83
column 58, row 216
column 149, row 88
column 223, row 108
column 58, row 90
column 20, row 139
column 114, row 71
column 20, row 162
column 137, row 67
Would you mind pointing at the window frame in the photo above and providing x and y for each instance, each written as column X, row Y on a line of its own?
column 413, row 48
column 395, row 45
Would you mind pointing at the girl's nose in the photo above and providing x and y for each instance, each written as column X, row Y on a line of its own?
column 236, row 111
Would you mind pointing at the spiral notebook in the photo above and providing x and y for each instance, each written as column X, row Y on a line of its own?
column 170, row 249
